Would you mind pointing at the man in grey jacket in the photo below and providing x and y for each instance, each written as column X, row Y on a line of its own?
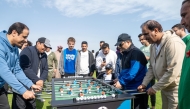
column 85, row 61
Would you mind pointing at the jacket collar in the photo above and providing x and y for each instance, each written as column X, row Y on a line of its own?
column 129, row 49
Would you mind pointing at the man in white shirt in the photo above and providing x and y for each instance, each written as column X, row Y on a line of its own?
column 86, row 61
column 105, row 56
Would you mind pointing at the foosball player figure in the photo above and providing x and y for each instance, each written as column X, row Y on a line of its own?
column 98, row 89
column 91, row 83
column 61, row 91
column 80, row 89
column 89, row 89
column 70, row 91
column 68, row 85
column 81, row 94
column 85, row 91
column 75, row 81
column 103, row 93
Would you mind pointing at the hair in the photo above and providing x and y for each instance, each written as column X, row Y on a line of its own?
column 151, row 25
column 92, row 51
column 179, row 26
column 105, row 45
column 18, row 27
column 84, row 42
column 72, row 39
column 102, row 41
column 140, row 35
column 29, row 43
column 185, row 1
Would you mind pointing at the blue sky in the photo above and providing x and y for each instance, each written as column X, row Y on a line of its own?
column 87, row 20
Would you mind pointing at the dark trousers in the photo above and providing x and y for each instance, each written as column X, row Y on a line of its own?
column 152, row 97
column 18, row 102
column 4, row 104
column 67, row 74
column 141, row 101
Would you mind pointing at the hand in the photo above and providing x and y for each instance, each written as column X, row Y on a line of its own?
column 28, row 95
column 115, row 80
column 147, row 58
column 36, row 87
column 91, row 73
column 40, row 83
column 151, row 91
column 118, row 85
column 103, row 64
column 141, row 88
column 55, row 70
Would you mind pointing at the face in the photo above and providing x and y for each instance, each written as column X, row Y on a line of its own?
column 71, row 45
column 150, row 36
column 48, row 49
column 24, row 45
column 108, row 71
column 185, row 15
column 143, row 40
column 41, row 47
column 177, row 31
column 105, row 51
column 59, row 49
column 19, row 40
column 84, row 47
column 124, row 45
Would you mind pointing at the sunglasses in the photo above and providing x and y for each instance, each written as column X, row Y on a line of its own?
column 121, row 44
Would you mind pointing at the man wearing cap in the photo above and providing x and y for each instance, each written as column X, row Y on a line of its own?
column 58, row 54
column 85, row 61
column 133, row 67
column 52, row 64
column 33, row 61
column 166, row 56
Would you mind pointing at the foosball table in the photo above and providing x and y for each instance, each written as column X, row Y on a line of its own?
column 87, row 93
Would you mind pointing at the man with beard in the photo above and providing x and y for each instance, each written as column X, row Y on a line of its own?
column 33, row 61
column 166, row 57
column 183, row 91
column 85, row 60
column 58, row 54
column 11, row 72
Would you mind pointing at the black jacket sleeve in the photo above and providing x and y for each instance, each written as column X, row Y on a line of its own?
column 44, row 67
column 25, row 63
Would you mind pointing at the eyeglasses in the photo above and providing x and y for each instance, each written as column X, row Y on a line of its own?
column 108, row 69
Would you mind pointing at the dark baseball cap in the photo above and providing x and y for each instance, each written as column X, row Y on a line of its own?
column 45, row 41
column 109, row 66
column 123, row 37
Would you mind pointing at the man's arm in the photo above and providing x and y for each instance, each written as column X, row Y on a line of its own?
column 55, row 60
column 25, row 63
column 137, row 60
column 61, row 69
column 174, row 57
column 7, row 75
column 44, row 69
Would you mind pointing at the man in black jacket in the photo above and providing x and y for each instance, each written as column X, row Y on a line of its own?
column 85, row 60
column 33, row 61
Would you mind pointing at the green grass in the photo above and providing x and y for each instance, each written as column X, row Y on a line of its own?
column 46, row 104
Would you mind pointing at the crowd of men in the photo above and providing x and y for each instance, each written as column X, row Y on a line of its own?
column 164, row 57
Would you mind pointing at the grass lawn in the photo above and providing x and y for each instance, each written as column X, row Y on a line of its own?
column 46, row 104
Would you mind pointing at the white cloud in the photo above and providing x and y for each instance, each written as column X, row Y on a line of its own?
column 19, row 2
column 157, row 9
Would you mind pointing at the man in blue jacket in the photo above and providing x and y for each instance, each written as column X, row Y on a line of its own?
column 11, row 72
column 133, row 69
column 33, row 61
